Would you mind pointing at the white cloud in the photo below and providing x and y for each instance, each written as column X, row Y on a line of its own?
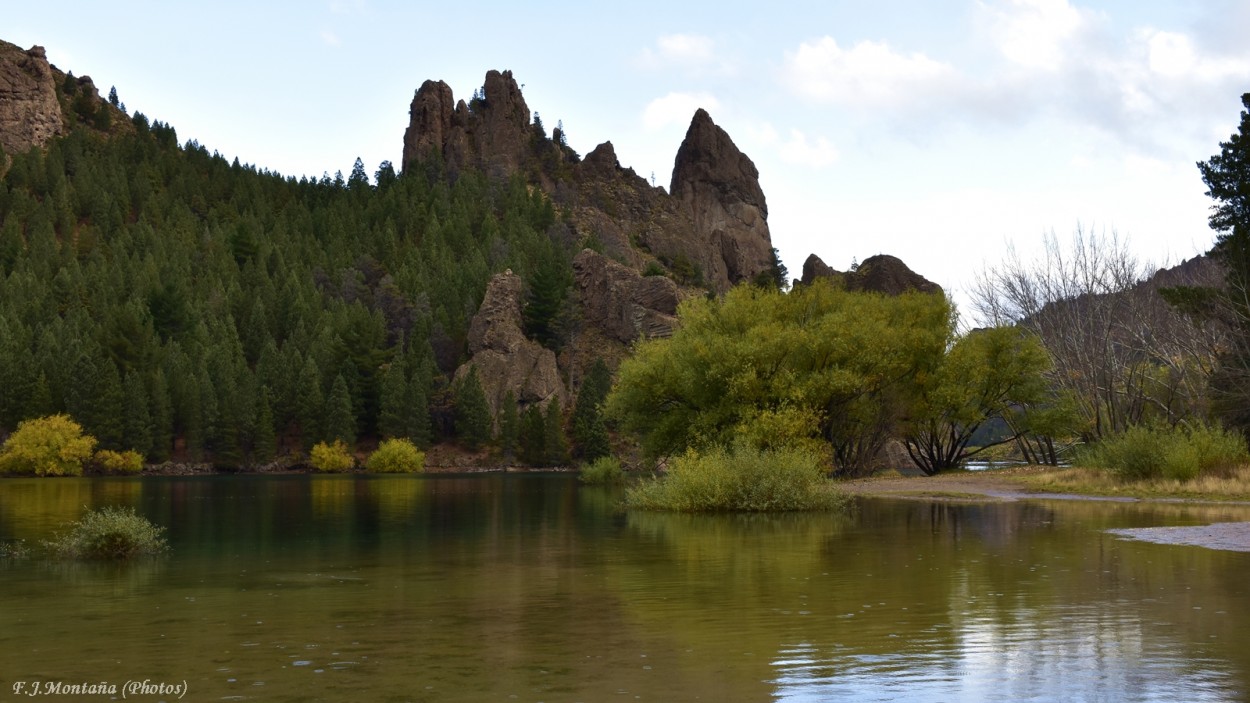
column 869, row 74
column 1173, row 55
column 676, row 108
column 692, row 52
column 1036, row 33
column 796, row 149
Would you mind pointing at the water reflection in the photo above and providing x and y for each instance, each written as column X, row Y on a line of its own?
column 469, row 588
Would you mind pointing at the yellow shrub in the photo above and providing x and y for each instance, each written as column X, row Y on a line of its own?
column 331, row 458
column 47, row 446
column 396, row 456
column 110, row 462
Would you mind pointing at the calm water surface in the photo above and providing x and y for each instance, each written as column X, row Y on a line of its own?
column 533, row 588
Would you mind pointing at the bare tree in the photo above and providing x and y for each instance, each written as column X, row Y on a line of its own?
column 1119, row 350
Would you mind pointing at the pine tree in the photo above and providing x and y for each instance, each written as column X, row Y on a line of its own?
column 394, row 390
column 265, row 441
column 138, row 418
column 590, row 434
column 309, row 404
column 532, row 444
column 340, row 422
column 416, row 412
column 509, row 426
column 162, row 419
column 473, row 421
column 555, row 446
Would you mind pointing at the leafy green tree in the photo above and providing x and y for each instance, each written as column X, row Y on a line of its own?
column 991, row 373
column 473, row 421
column 818, row 366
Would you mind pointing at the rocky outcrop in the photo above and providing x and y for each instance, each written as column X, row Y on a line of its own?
column 492, row 133
column 712, row 231
column 877, row 274
column 504, row 358
column 622, row 303
column 30, row 114
column 719, row 187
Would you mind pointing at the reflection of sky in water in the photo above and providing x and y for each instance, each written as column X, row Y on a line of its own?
column 1070, row 654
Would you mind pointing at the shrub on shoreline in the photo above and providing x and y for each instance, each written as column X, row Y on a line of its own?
column 602, row 471
column 1144, row 453
column 396, row 456
column 47, row 446
column 109, row 533
column 127, row 463
column 742, row 479
column 331, row 458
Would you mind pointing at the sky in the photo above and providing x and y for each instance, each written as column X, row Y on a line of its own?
column 941, row 132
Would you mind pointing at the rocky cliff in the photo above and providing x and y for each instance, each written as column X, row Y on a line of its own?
column 877, row 274
column 30, row 113
column 711, row 231
column 505, row 359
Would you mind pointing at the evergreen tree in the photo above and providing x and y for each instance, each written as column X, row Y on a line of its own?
column 590, row 434
column 392, row 420
column 532, row 444
column 509, row 426
column 137, row 433
column 162, row 419
column 555, row 446
column 340, row 423
column 265, row 441
column 473, row 421
column 416, row 412
column 309, row 404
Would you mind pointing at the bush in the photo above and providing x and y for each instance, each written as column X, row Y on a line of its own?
column 1143, row 453
column 109, row 533
column 331, row 458
column 739, row 479
column 125, row 463
column 47, row 446
column 602, row 471
column 396, row 456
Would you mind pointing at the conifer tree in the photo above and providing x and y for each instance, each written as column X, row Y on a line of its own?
column 416, row 412
column 137, row 417
column 265, row 441
column 340, row 422
column 473, row 421
column 509, row 426
column 309, row 404
column 392, row 423
column 590, row 434
column 532, row 444
column 555, row 446
column 162, row 418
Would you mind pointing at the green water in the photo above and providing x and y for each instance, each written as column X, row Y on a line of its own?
column 533, row 588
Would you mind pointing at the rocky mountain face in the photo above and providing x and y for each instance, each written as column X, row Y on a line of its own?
column 712, row 230
column 504, row 358
column 30, row 113
column 876, row 274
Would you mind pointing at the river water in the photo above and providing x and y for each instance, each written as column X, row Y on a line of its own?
column 534, row 588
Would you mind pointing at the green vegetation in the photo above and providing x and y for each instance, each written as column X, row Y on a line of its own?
column 825, row 369
column 126, row 463
column 743, row 479
column 47, row 446
column 109, row 533
column 602, row 471
column 331, row 458
column 396, row 456
column 154, row 291
column 1144, row 453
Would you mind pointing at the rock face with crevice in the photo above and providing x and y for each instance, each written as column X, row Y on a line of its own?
column 504, row 358
column 623, row 303
column 30, row 114
column 492, row 133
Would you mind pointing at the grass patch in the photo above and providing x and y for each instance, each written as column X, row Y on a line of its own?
column 109, row 533
column 1144, row 453
column 741, row 479
column 1230, row 485
column 603, row 471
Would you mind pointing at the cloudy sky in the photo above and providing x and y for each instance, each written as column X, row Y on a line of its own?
column 939, row 132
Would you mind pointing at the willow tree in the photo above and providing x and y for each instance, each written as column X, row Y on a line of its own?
column 818, row 366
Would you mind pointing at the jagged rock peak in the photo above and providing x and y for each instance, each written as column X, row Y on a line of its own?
column 490, row 133
column 719, row 187
column 877, row 274
column 708, row 156
column 30, row 114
